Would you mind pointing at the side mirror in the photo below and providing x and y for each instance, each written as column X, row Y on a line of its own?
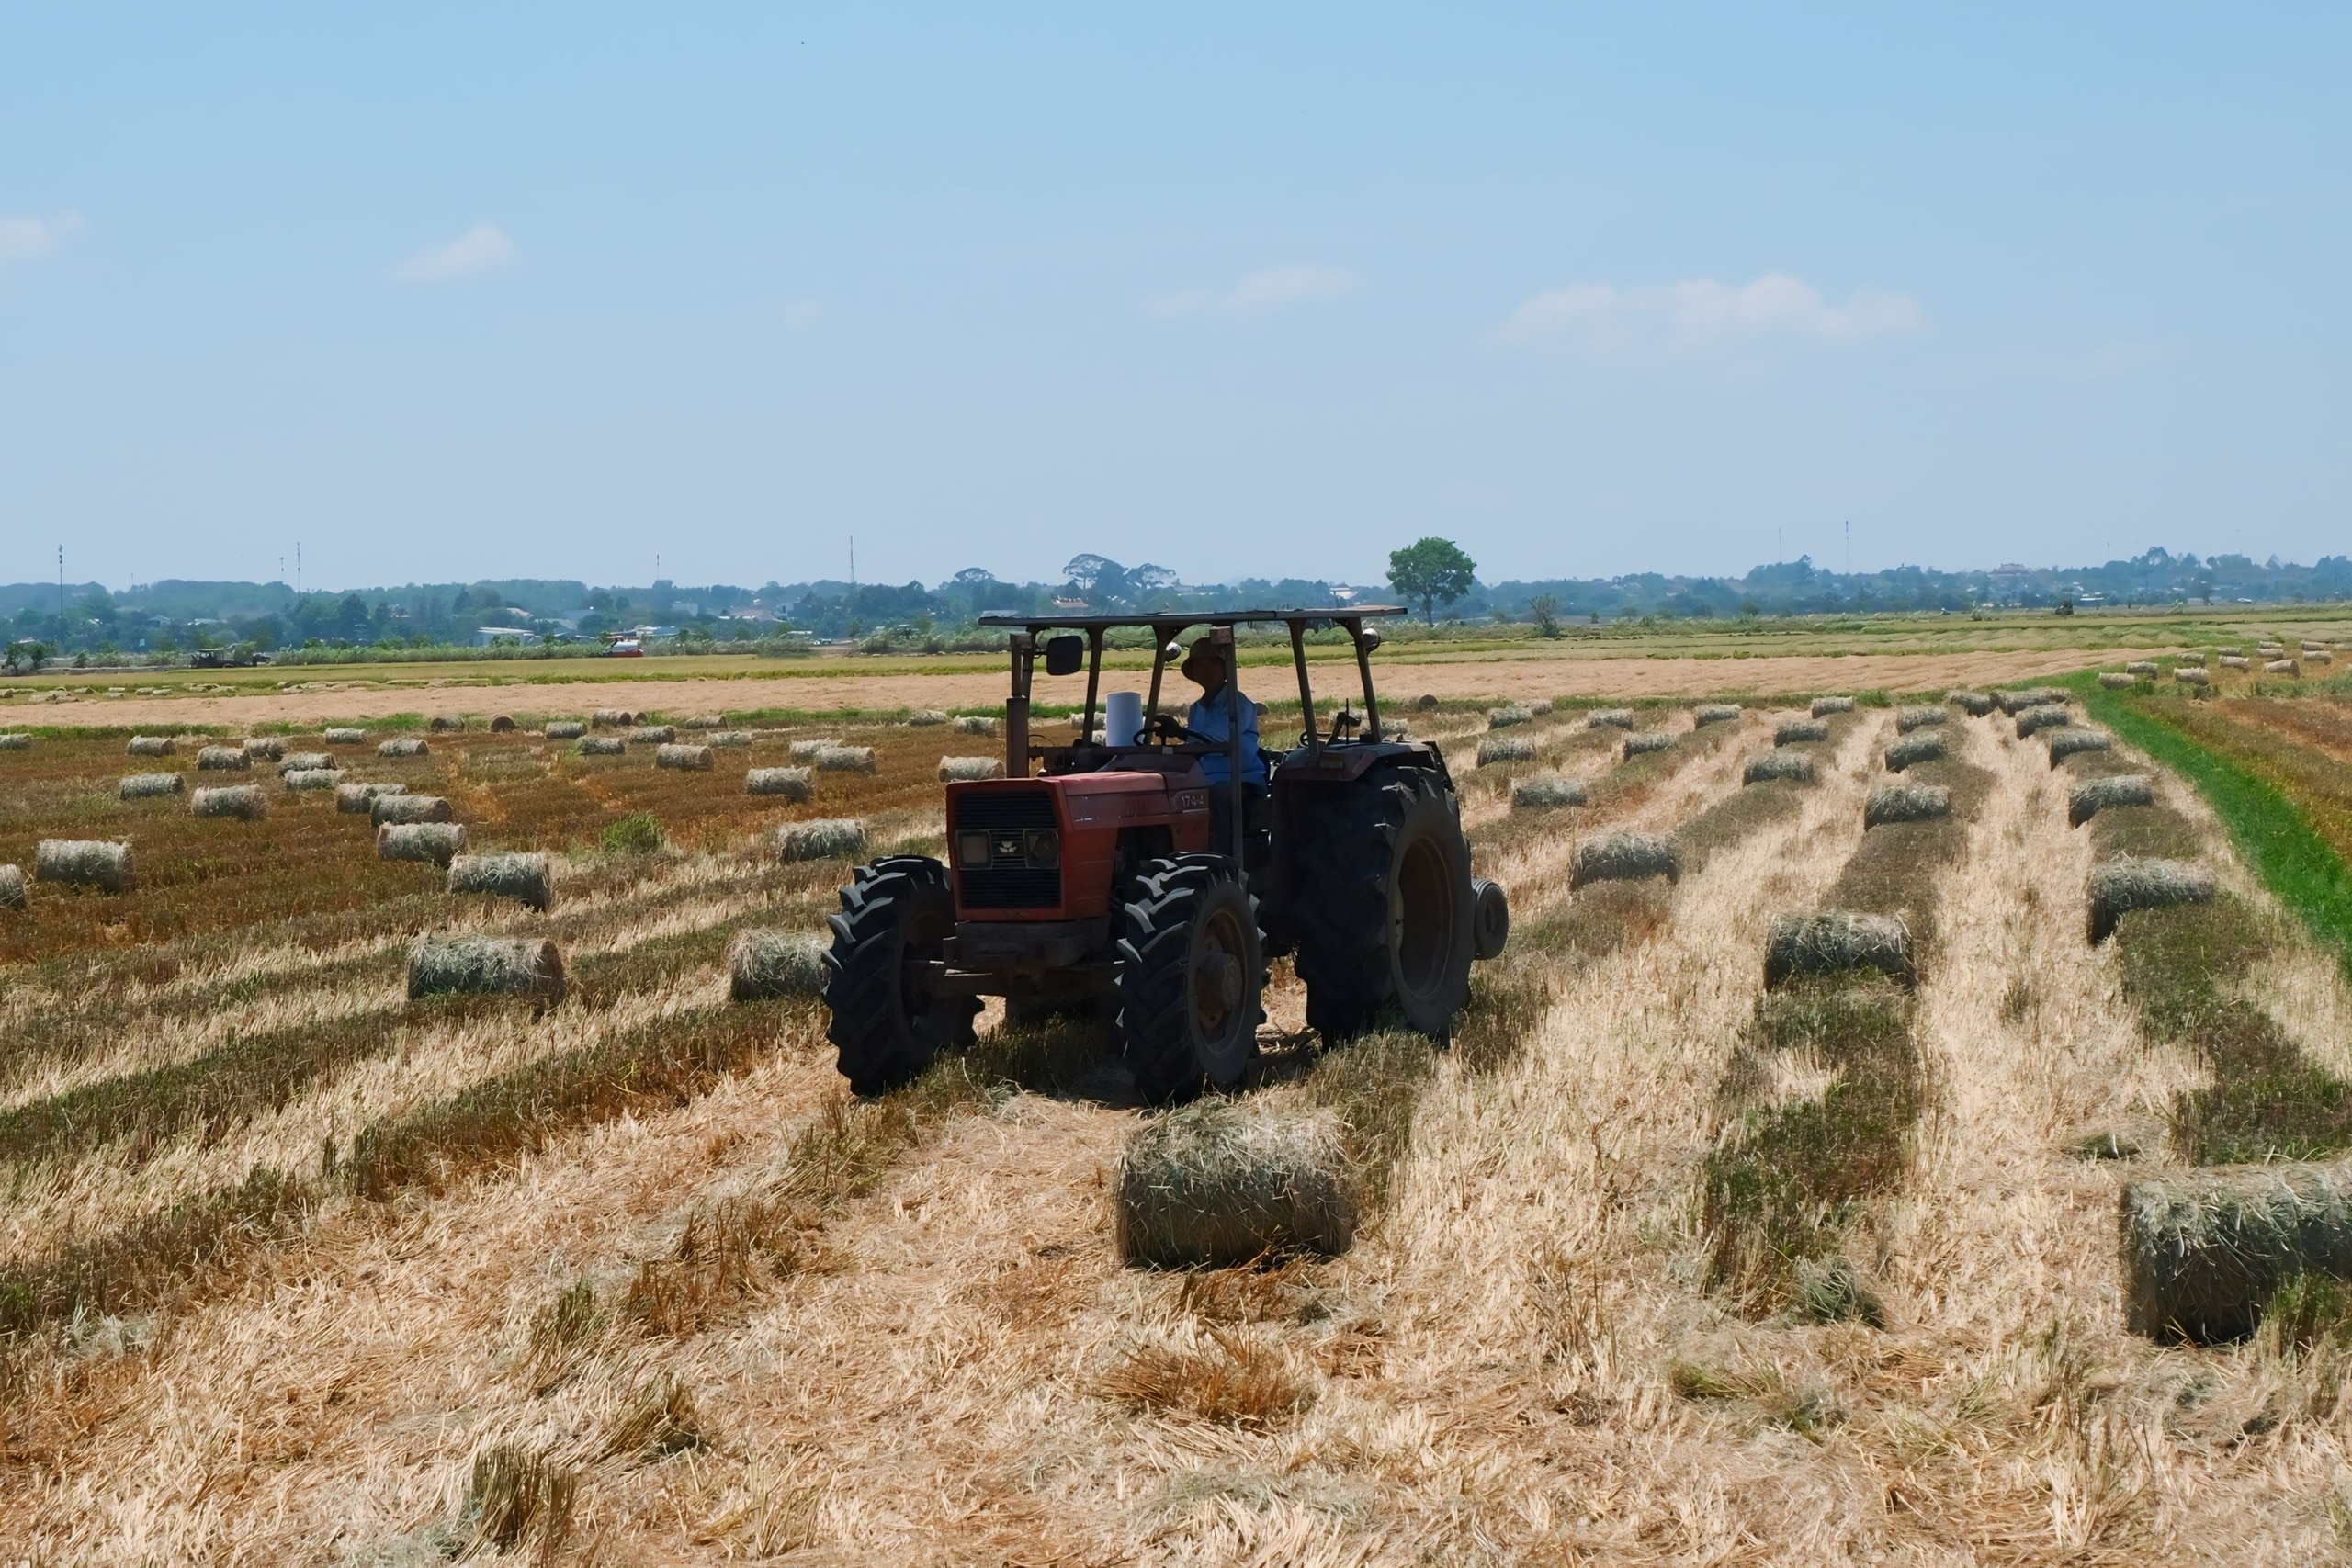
column 1368, row 639
column 1065, row 654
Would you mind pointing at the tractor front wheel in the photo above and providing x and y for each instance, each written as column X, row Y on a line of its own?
column 889, row 1023
column 1190, row 968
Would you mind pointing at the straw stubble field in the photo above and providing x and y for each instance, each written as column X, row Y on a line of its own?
column 297, row 1269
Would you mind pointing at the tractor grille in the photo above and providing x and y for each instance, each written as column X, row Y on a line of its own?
column 1005, row 809
column 1003, row 886
column 1013, row 890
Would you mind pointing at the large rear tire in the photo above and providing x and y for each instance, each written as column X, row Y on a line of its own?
column 888, row 1023
column 1190, row 967
column 1384, row 910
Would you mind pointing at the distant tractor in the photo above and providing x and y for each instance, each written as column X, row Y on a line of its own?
column 1124, row 881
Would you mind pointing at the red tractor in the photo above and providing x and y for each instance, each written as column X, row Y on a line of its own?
column 1124, row 881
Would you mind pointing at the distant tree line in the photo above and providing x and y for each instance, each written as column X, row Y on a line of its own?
column 1433, row 576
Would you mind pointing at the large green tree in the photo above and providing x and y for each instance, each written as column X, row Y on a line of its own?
column 1431, row 571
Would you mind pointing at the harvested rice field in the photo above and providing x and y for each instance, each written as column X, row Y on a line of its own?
column 1792, row 1190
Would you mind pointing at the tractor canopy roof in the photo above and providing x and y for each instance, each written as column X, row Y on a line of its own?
column 1335, row 614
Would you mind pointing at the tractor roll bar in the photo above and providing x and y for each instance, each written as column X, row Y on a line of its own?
column 1164, row 628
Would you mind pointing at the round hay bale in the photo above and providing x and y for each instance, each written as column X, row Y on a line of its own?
column 762, row 964
column 147, row 786
column 703, row 721
column 821, row 837
column 1508, row 715
column 963, row 770
column 2115, row 681
column 1642, row 742
column 305, row 779
column 523, row 877
column 731, row 737
column 2192, row 676
column 1905, row 803
column 447, row 722
column 2283, row 667
column 2269, row 649
column 406, row 807
column 1795, row 767
column 2128, row 882
column 15, row 741
column 2041, row 717
column 2229, row 652
column 1975, row 705
column 1913, row 749
column 241, row 803
column 653, row 735
column 304, row 761
column 1797, row 731
column 806, row 749
column 223, row 760
column 1533, row 704
column 2146, row 667
column 404, row 746
column 1911, row 719
column 1426, row 702
column 2230, row 662
column 1547, row 792
column 612, row 718
column 1610, row 718
column 600, row 746
column 564, row 730
column 2086, row 800
column 266, row 748
column 2195, row 659
column 686, row 758
column 12, row 887
column 1824, row 707
column 1216, row 1184
column 2065, row 743
column 357, row 799
column 2014, row 703
column 1504, row 749
column 152, row 745
column 1834, row 942
column 485, row 966
column 975, row 724
column 792, row 784
column 1714, row 713
column 1624, row 857
column 845, row 760
column 85, row 863
column 344, row 735
column 502, row 723
column 2205, row 1250
column 437, row 843
column 923, row 718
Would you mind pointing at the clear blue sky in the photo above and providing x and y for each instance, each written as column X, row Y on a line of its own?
column 444, row 294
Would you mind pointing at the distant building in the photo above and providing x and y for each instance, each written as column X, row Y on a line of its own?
column 485, row 636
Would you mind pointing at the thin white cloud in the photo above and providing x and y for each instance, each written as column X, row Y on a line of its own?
column 29, row 239
column 482, row 248
column 1703, row 314
column 1260, row 292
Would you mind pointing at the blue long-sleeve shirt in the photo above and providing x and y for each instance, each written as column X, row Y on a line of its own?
column 1207, row 722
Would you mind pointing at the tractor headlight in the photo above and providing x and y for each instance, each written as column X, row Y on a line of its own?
column 1045, row 847
column 972, row 849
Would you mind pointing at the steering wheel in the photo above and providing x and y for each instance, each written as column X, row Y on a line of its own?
column 1170, row 726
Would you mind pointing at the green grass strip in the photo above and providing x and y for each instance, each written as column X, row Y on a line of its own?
column 2299, row 866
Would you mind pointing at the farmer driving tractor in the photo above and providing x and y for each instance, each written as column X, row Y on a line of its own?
column 1204, row 667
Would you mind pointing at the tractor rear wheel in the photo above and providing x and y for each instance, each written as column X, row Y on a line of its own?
column 1386, row 915
column 1190, row 971
column 887, row 1023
